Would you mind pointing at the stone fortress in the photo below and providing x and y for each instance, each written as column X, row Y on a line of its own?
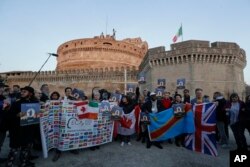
column 101, row 62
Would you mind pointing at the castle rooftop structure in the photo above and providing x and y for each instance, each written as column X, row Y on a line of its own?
column 101, row 52
column 215, row 67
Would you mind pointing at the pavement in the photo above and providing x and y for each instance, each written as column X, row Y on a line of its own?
column 136, row 155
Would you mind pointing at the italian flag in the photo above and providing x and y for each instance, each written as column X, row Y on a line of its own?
column 87, row 110
column 178, row 34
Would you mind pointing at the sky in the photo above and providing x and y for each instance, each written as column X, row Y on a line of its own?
column 29, row 29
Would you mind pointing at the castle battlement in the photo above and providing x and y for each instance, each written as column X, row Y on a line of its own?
column 87, row 75
column 195, row 51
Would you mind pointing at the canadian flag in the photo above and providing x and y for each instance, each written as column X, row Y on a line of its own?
column 87, row 110
column 131, row 120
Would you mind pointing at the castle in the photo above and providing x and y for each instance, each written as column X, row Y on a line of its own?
column 101, row 62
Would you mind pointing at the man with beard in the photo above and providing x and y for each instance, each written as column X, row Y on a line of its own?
column 21, row 137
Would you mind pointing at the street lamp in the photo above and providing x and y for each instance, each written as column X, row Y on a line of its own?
column 50, row 54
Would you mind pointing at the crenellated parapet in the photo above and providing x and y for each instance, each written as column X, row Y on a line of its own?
column 101, row 52
column 196, row 52
column 78, row 75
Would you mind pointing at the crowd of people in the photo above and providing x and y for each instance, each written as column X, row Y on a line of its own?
column 233, row 113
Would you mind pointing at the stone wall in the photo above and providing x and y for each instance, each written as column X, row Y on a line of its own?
column 83, row 79
column 218, row 67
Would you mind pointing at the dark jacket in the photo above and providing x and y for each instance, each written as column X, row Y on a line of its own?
column 245, row 115
column 19, row 135
column 147, row 107
column 186, row 99
column 128, row 108
column 3, row 115
column 220, row 109
column 44, row 97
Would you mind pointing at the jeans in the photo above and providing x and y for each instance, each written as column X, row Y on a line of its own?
column 222, row 133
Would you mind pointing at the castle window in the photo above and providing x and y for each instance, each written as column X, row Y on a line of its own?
column 107, row 43
column 66, row 46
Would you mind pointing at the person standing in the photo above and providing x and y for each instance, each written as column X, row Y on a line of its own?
column 21, row 137
column 221, row 118
column 3, row 118
column 245, row 122
column 152, row 106
column 235, row 107
column 179, row 140
column 128, row 105
column 186, row 98
column 199, row 97
column 45, row 93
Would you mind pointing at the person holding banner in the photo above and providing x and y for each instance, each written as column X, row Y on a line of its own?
column 21, row 137
column 198, row 97
column 179, row 140
column 68, row 94
column 152, row 106
column 55, row 96
column 128, row 106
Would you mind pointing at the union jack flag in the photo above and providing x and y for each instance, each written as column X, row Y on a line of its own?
column 203, row 140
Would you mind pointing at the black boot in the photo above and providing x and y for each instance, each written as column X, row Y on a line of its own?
column 11, row 157
column 158, row 145
column 149, row 143
column 143, row 137
column 139, row 137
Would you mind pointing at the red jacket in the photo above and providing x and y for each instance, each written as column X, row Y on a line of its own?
column 166, row 103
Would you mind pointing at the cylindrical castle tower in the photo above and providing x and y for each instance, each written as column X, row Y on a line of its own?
column 101, row 52
column 213, row 67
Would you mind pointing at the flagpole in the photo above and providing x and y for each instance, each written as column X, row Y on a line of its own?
column 182, row 33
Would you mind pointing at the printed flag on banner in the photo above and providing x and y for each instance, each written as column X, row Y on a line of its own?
column 87, row 110
column 177, row 35
column 131, row 87
column 161, row 83
column 203, row 140
column 159, row 92
column 141, row 78
column 78, row 94
column 31, row 116
column 181, row 83
column 165, row 125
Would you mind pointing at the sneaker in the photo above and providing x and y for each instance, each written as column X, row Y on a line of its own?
column 129, row 144
column 122, row 144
